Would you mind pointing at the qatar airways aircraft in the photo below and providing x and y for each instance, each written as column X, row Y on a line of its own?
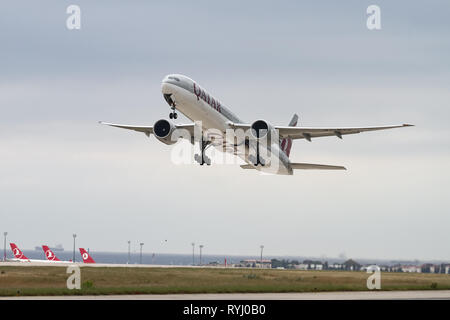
column 263, row 146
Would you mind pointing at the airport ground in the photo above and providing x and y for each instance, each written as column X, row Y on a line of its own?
column 29, row 279
column 338, row 295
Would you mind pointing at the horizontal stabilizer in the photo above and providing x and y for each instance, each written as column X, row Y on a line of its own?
column 304, row 166
column 312, row 166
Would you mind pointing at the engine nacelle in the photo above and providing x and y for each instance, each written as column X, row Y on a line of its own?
column 162, row 129
column 261, row 129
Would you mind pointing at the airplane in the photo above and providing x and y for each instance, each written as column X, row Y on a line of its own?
column 86, row 256
column 187, row 96
column 20, row 257
column 51, row 257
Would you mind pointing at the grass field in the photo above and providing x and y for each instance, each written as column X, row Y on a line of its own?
column 51, row 280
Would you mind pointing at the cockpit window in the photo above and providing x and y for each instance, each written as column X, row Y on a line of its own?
column 174, row 78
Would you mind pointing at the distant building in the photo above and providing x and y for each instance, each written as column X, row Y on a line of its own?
column 385, row 268
column 252, row 263
column 313, row 265
column 351, row 265
column 301, row 266
column 428, row 268
column 335, row 266
column 396, row 268
column 411, row 268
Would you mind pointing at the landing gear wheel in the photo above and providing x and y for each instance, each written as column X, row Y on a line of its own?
column 173, row 115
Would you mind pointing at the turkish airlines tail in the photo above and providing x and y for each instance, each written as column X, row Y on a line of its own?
column 85, row 256
column 17, row 253
column 49, row 254
column 286, row 143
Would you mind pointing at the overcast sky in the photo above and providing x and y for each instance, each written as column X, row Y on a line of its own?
column 61, row 172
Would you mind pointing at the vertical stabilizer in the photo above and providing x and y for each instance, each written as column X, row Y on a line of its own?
column 286, row 143
column 85, row 256
column 49, row 254
column 18, row 254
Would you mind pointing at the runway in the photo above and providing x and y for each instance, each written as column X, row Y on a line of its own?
column 350, row 295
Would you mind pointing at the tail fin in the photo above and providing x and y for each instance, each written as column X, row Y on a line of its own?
column 17, row 253
column 85, row 256
column 286, row 143
column 49, row 254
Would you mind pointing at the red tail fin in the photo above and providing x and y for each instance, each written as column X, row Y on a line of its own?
column 17, row 253
column 286, row 143
column 49, row 254
column 85, row 256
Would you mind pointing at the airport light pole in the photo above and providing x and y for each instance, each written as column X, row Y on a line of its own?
column 262, row 247
column 74, row 236
column 201, row 247
column 140, row 257
column 4, row 246
column 129, row 260
column 193, row 260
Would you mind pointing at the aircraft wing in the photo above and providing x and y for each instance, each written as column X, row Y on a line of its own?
column 312, row 132
column 148, row 129
column 308, row 133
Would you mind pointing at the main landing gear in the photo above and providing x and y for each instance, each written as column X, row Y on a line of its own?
column 257, row 160
column 202, row 158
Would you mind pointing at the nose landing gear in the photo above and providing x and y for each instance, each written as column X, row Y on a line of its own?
column 171, row 102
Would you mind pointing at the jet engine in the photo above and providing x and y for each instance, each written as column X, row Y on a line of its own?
column 261, row 129
column 162, row 129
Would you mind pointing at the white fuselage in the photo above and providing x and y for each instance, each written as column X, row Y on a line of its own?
column 197, row 105
column 37, row 260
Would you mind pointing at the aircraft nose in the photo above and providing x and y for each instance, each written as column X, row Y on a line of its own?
column 166, row 79
column 168, row 82
column 165, row 88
